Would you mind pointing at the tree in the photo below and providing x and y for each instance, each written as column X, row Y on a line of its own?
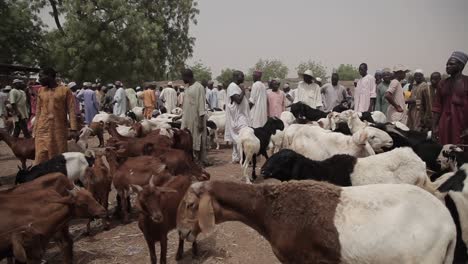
column 21, row 34
column 316, row 67
column 270, row 69
column 133, row 41
column 201, row 72
column 347, row 72
column 225, row 77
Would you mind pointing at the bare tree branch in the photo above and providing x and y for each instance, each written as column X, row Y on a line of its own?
column 56, row 16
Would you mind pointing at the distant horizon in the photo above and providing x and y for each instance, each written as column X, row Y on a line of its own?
column 420, row 34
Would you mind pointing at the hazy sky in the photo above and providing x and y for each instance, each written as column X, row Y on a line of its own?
column 417, row 33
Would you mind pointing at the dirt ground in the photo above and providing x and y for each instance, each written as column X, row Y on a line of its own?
column 231, row 242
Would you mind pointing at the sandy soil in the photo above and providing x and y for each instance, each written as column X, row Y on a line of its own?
column 231, row 242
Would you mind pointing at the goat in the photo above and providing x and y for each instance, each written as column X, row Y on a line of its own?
column 316, row 222
column 319, row 144
column 452, row 157
column 400, row 165
column 254, row 142
column 98, row 183
column 304, row 112
column 71, row 164
column 22, row 148
column 217, row 124
column 455, row 192
column 158, row 214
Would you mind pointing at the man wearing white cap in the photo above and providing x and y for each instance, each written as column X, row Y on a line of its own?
column 169, row 97
column 450, row 106
column 419, row 105
column 222, row 97
column 394, row 95
column 91, row 104
column 308, row 92
column 258, row 101
column 365, row 92
column 18, row 101
column 120, row 101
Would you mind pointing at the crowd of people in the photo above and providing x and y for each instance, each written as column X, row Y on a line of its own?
column 53, row 110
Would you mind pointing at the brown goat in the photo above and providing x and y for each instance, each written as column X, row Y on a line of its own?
column 158, row 214
column 137, row 171
column 98, row 183
column 183, row 140
column 47, row 212
column 23, row 148
column 57, row 181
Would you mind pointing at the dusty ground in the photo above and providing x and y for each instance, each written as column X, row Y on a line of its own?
column 232, row 242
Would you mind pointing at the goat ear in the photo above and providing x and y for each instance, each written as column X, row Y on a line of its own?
column 17, row 240
column 206, row 217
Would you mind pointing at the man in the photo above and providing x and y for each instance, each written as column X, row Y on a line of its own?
column 139, row 95
column 308, row 92
column 211, row 96
column 237, row 113
column 364, row 94
column 91, row 104
column 394, row 96
column 289, row 95
column 258, row 101
column 169, row 97
column 408, row 87
column 276, row 99
column 435, row 80
column 3, row 102
column 149, row 101
column 132, row 98
column 17, row 98
column 109, row 98
column 54, row 102
column 378, row 77
column 99, row 95
column 194, row 114
column 180, row 97
column 381, row 104
column 120, row 101
column 450, row 106
column 333, row 93
column 419, row 105
column 221, row 96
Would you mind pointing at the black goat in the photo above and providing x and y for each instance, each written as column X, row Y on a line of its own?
column 288, row 165
column 71, row 164
column 304, row 112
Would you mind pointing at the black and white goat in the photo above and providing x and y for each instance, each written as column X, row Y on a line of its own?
column 398, row 166
column 254, row 142
column 71, row 164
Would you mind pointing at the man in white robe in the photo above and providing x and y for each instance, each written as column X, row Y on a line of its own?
column 237, row 113
column 365, row 92
column 222, row 98
column 308, row 92
column 211, row 96
column 194, row 114
column 169, row 97
column 258, row 101
column 120, row 102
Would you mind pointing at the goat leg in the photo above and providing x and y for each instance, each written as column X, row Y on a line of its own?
column 101, row 139
column 163, row 243
column 150, row 242
column 88, row 226
column 23, row 163
column 254, row 164
column 195, row 248
column 180, row 250
column 66, row 243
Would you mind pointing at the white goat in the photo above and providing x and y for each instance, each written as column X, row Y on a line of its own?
column 220, row 122
column 319, row 144
column 249, row 144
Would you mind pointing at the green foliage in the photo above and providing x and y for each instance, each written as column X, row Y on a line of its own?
column 270, row 68
column 132, row 41
column 21, row 34
column 201, row 72
column 347, row 72
column 316, row 67
column 225, row 77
